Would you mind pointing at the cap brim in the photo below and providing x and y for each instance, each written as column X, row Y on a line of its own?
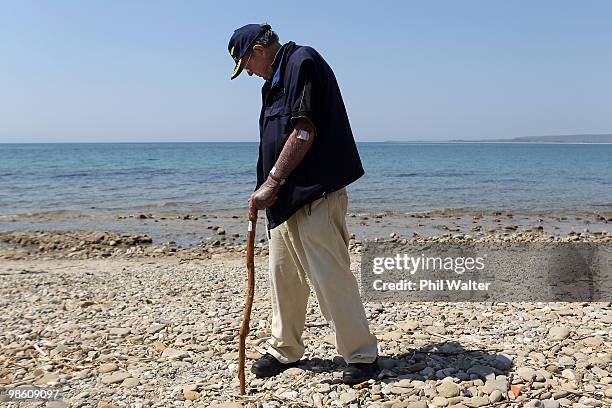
column 237, row 69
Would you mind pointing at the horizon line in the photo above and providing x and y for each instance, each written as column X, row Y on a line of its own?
column 516, row 139
column 502, row 141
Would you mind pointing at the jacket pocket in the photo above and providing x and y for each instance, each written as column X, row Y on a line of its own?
column 276, row 104
column 276, row 109
column 277, row 126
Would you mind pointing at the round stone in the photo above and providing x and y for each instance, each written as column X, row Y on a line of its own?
column 107, row 368
column 495, row 396
column 448, row 389
column 558, row 333
column 526, row 373
column 439, row 401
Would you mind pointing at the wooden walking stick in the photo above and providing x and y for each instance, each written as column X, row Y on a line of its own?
column 244, row 329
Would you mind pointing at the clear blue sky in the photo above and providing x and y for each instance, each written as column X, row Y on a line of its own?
column 110, row 70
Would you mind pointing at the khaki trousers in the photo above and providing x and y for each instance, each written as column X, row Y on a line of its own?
column 313, row 245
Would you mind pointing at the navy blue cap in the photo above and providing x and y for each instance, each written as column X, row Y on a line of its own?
column 241, row 41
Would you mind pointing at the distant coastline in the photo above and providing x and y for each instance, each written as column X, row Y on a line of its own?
column 558, row 139
column 552, row 139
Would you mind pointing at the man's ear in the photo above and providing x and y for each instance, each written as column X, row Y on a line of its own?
column 259, row 48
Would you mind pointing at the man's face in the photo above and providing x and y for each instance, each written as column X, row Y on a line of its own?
column 259, row 62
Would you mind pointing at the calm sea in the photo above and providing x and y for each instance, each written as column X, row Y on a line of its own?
column 212, row 176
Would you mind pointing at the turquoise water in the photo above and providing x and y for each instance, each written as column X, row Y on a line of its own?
column 213, row 176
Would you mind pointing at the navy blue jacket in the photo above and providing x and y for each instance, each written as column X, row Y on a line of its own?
column 303, row 85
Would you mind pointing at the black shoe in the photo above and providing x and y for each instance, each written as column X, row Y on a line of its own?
column 269, row 366
column 356, row 373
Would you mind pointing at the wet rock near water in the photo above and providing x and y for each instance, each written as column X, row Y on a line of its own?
column 72, row 243
column 104, row 244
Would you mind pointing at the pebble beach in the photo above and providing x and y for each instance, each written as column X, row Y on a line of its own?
column 120, row 319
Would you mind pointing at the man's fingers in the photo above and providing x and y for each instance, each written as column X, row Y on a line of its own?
column 269, row 202
column 252, row 209
column 262, row 204
column 252, row 212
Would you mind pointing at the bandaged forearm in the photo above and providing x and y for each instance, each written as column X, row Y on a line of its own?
column 293, row 152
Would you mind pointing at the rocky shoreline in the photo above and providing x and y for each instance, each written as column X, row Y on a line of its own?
column 116, row 319
column 86, row 244
column 184, row 229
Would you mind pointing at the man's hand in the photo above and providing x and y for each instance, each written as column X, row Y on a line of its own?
column 264, row 197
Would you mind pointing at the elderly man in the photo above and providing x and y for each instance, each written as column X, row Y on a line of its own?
column 307, row 156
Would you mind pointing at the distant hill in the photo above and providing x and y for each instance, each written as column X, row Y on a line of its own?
column 587, row 138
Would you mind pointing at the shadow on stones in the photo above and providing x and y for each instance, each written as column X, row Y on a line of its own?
column 322, row 365
column 432, row 361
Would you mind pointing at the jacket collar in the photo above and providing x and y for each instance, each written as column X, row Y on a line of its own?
column 279, row 62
